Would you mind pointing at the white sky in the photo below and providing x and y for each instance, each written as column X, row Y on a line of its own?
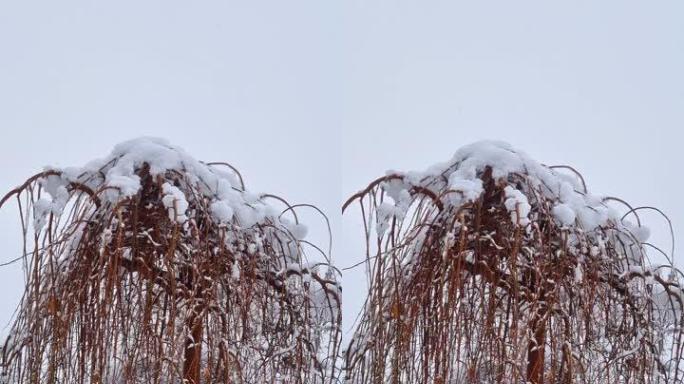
column 312, row 100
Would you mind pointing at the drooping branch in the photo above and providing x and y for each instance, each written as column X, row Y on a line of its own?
column 152, row 267
column 517, row 275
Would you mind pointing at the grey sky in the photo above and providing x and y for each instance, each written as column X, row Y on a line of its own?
column 312, row 100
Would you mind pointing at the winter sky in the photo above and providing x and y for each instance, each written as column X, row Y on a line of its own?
column 312, row 100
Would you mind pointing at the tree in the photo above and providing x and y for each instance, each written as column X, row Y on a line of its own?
column 151, row 267
column 493, row 268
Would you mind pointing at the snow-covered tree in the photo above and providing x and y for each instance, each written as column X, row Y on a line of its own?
column 493, row 268
column 149, row 266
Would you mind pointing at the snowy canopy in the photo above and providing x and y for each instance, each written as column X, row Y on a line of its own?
column 116, row 177
column 459, row 181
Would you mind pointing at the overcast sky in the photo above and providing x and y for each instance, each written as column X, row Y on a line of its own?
column 312, row 100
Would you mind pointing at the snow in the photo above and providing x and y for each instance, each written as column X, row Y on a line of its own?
column 57, row 196
column 235, row 271
column 221, row 211
column 579, row 274
column 463, row 175
column 385, row 213
column 396, row 189
column 564, row 214
column 470, row 189
column 175, row 203
column 117, row 177
column 518, row 205
column 126, row 185
column 41, row 209
column 501, row 156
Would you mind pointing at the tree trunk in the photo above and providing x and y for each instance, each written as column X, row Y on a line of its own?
column 535, row 351
column 193, row 352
